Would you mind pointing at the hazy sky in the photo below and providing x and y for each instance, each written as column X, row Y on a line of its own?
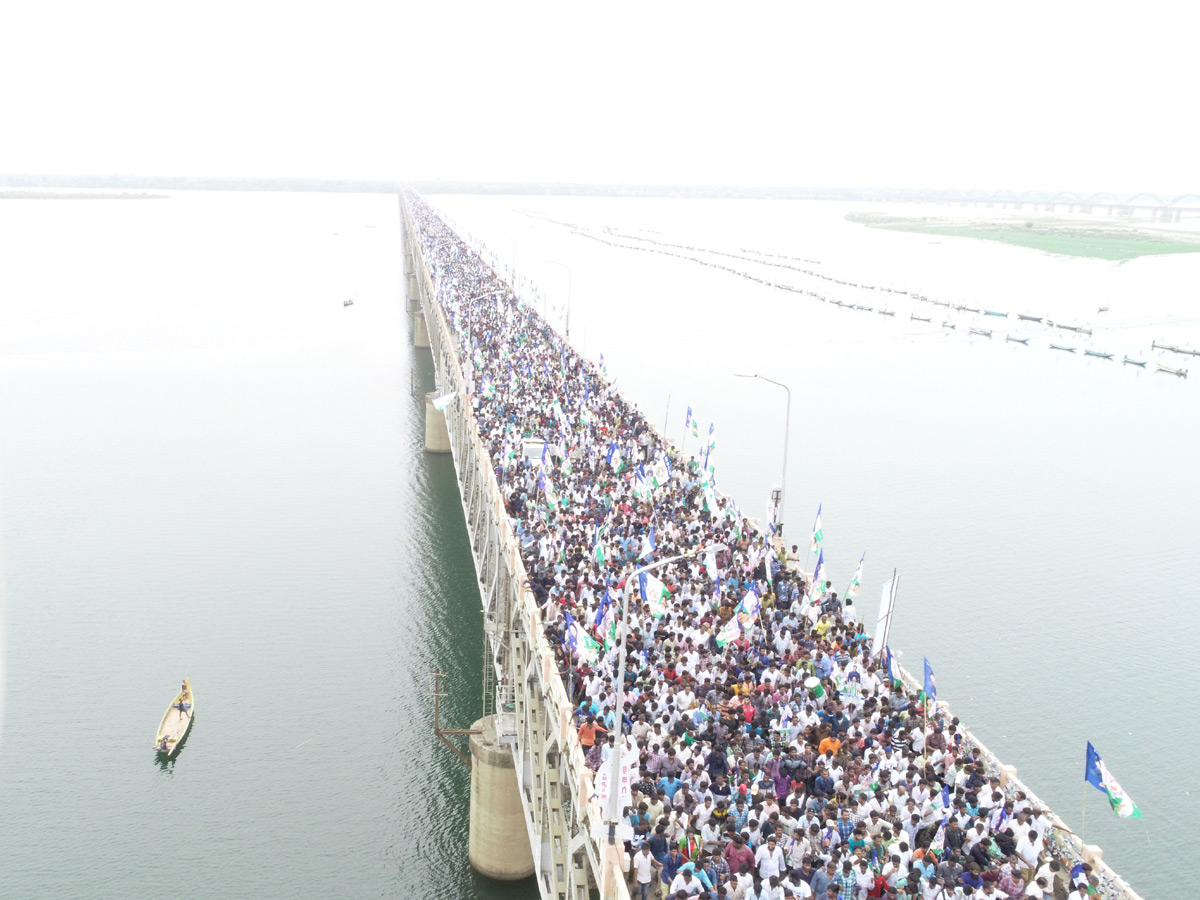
column 1041, row 95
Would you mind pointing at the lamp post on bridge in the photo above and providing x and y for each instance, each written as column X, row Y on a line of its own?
column 567, row 327
column 786, row 430
column 614, row 781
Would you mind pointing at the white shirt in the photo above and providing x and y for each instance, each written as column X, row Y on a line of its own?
column 643, row 867
column 694, row 886
column 769, row 863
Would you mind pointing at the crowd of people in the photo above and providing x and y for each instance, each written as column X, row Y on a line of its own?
column 777, row 757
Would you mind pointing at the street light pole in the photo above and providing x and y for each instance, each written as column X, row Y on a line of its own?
column 614, row 780
column 787, row 416
column 567, row 328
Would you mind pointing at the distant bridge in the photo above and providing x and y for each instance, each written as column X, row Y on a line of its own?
column 1163, row 209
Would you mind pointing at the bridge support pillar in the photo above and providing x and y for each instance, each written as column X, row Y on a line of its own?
column 498, row 843
column 420, row 331
column 437, row 434
column 414, row 292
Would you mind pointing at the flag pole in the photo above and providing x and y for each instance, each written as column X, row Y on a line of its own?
column 666, row 415
column 1083, row 827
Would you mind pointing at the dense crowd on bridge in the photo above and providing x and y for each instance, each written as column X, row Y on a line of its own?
column 778, row 759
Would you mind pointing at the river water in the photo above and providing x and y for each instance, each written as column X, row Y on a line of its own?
column 210, row 467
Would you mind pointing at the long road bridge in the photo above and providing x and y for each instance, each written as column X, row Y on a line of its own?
column 534, row 809
column 1163, row 209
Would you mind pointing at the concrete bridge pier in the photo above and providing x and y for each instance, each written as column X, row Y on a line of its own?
column 437, row 435
column 420, row 331
column 498, row 844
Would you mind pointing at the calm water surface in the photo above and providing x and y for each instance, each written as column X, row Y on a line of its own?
column 211, row 468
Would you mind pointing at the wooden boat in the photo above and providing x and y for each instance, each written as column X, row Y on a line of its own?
column 1182, row 373
column 1074, row 328
column 865, row 308
column 1016, row 340
column 1064, row 349
column 982, row 332
column 1025, row 318
column 948, row 325
column 1097, row 354
column 992, row 312
column 913, row 318
column 347, row 303
column 1102, row 309
column 886, row 312
column 176, row 720
column 1133, row 362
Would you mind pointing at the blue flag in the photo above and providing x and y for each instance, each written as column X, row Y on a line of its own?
column 887, row 658
column 1097, row 775
column 930, row 682
column 604, row 602
column 572, row 640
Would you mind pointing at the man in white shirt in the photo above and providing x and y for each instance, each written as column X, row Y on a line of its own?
column 687, row 882
column 1027, row 853
column 643, row 865
column 769, row 859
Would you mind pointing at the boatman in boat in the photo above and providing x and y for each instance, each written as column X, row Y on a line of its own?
column 184, row 704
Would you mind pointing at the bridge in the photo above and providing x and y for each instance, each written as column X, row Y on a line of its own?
column 1163, row 209
column 534, row 805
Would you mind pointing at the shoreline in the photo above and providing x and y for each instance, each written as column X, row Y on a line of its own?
column 1062, row 237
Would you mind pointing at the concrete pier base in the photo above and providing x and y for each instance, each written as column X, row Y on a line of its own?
column 420, row 331
column 437, row 434
column 414, row 293
column 498, row 844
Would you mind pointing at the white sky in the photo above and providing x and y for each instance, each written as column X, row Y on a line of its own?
column 1095, row 96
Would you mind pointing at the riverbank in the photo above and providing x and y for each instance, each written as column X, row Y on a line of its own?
column 1064, row 237
column 78, row 195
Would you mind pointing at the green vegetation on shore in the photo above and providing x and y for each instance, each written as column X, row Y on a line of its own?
column 1064, row 237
